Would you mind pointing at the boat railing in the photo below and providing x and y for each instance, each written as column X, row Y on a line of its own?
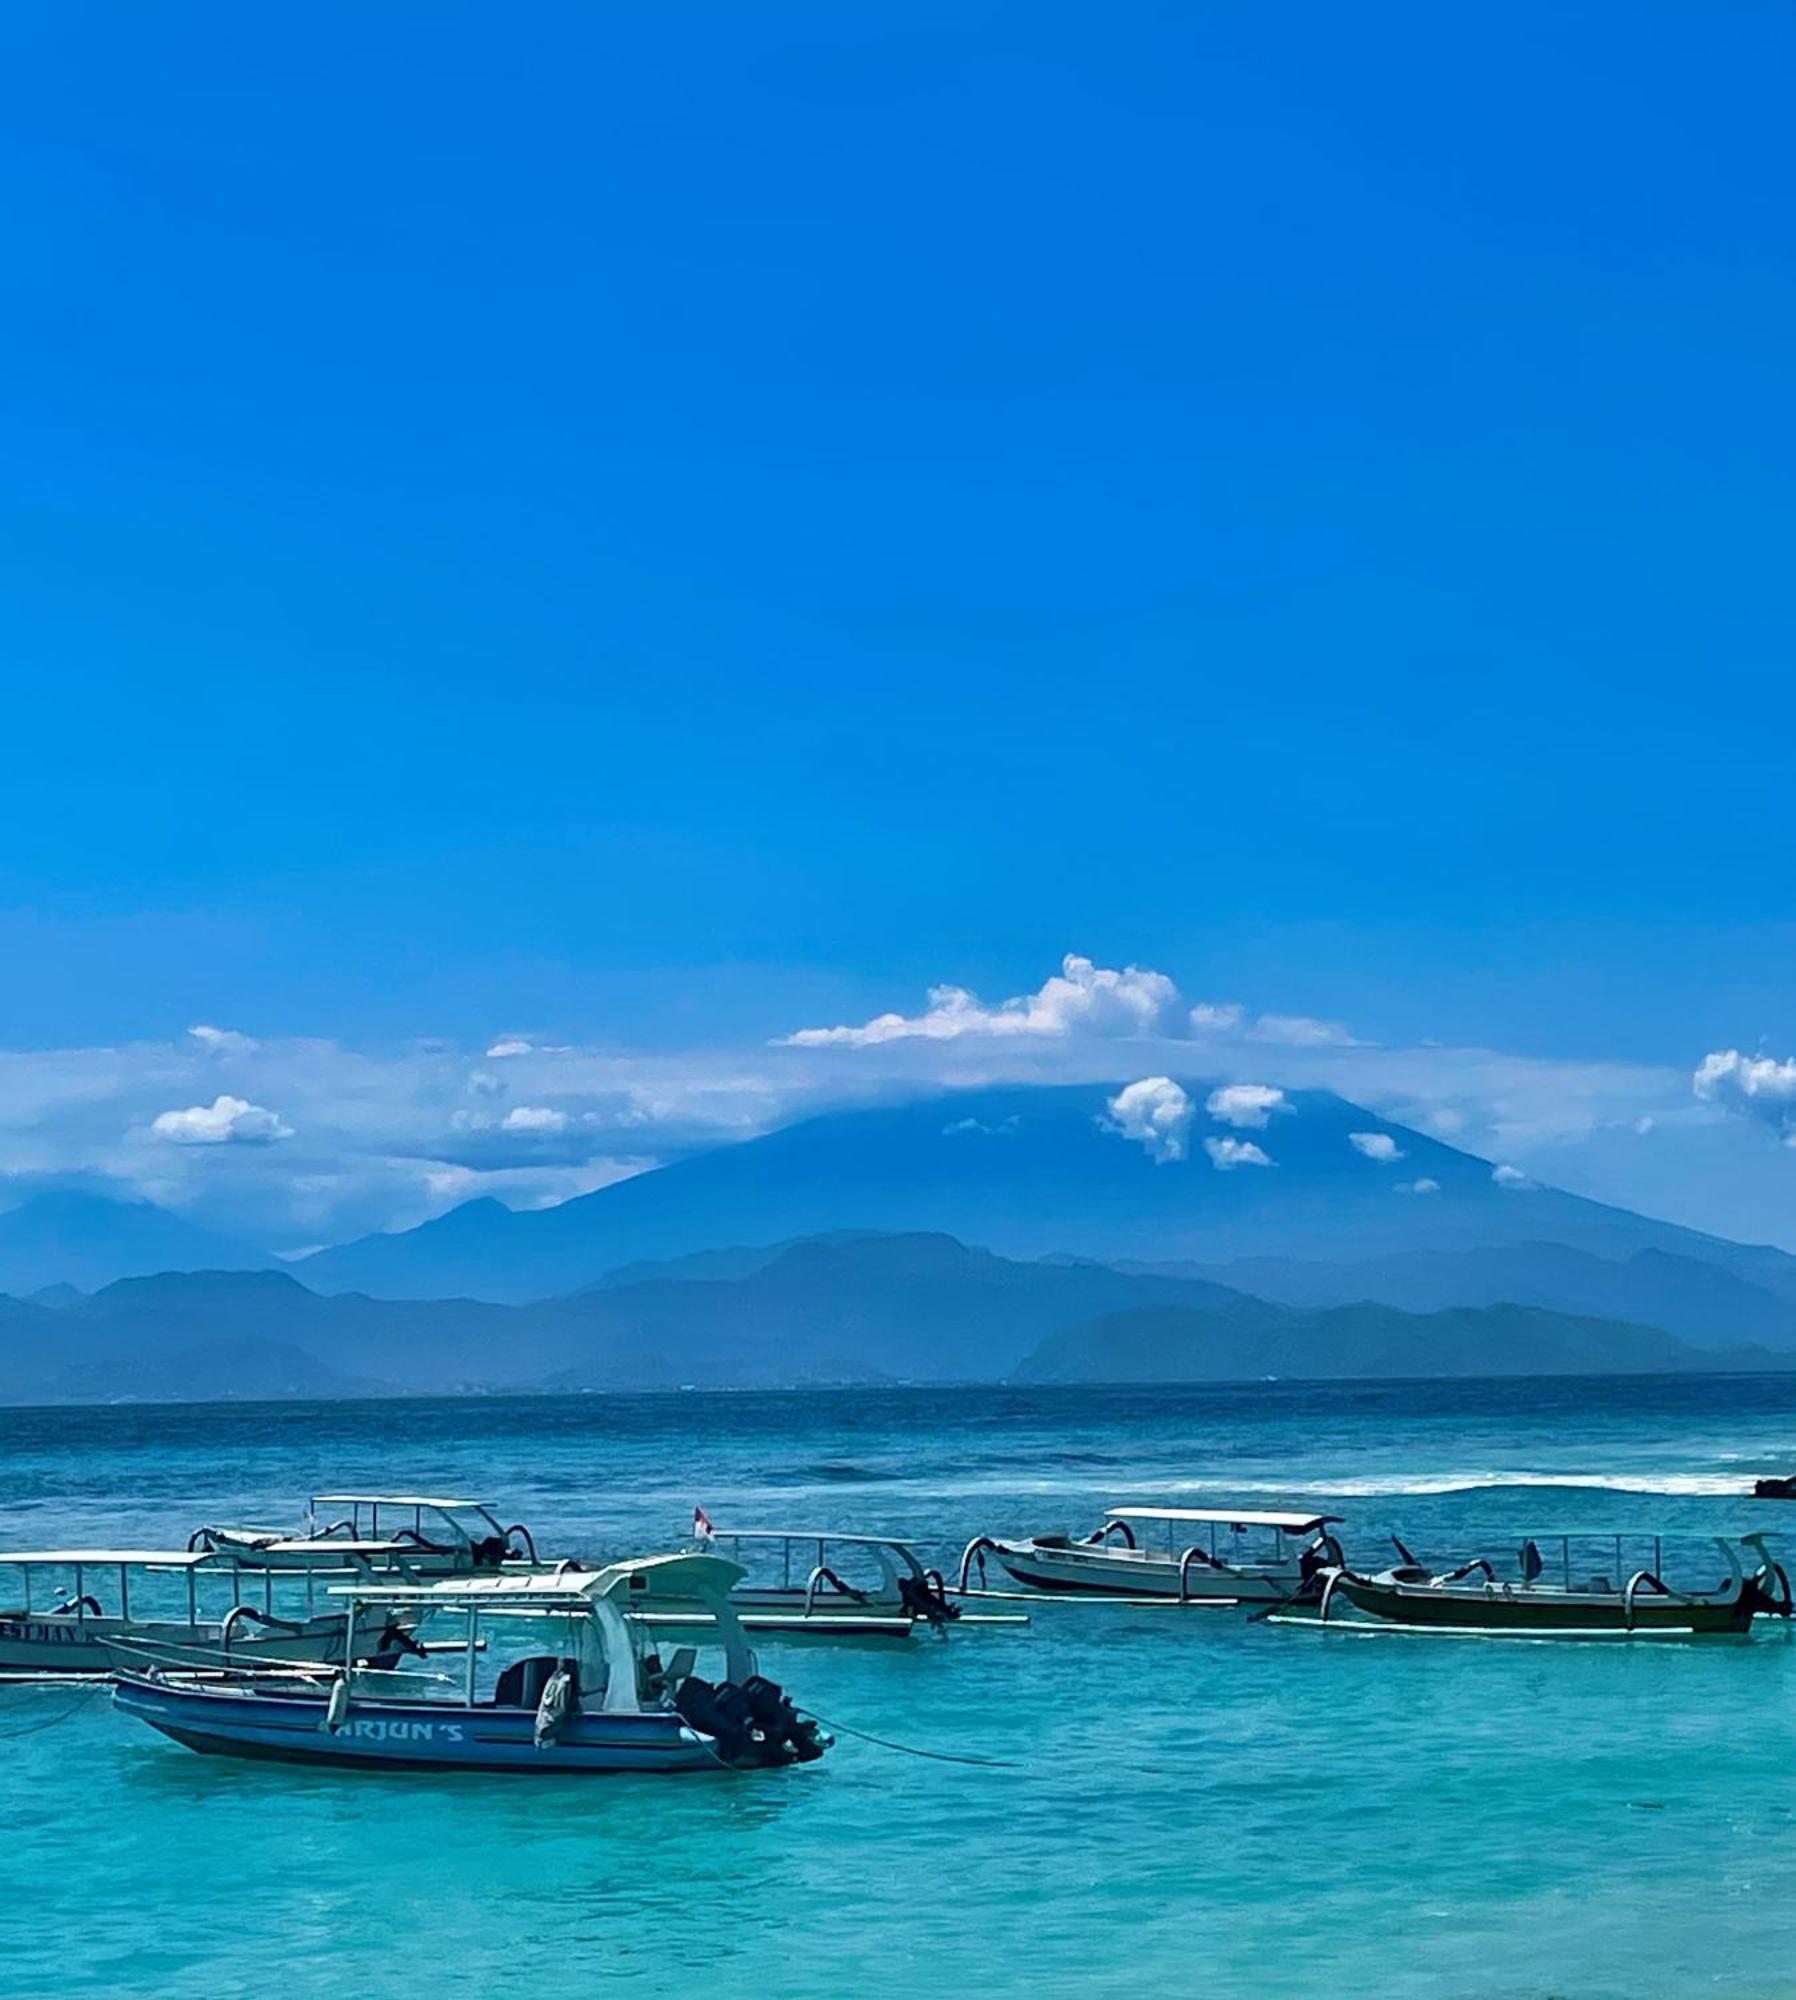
column 822, row 1575
column 1195, row 1557
column 974, row 1551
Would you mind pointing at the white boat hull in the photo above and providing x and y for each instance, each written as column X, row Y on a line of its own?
column 59, row 1644
column 1107, row 1570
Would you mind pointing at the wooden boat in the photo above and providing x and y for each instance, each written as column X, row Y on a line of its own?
column 1213, row 1555
column 92, row 1602
column 559, row 1676
column 1556, row 1591
column 815, row 1583
column 423, row 1535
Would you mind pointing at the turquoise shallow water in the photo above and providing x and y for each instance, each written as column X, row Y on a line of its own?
column 1193, row 1803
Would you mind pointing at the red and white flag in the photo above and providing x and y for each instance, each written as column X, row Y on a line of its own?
column 701, row 1525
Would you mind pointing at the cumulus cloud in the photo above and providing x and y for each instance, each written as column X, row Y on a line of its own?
column 1422, row 1186
column 483, row 1083
column 1756, row 1087
column 1246, row 1106
column 1208, row 1018
column 1510, row 1177
column 223, row 1041
column 534, row 1119
column 225, row 1121
column 1157, row 1113
column 1378, row 1146
column 1081, row 999
column 509, row 1045
column 1227, row 1154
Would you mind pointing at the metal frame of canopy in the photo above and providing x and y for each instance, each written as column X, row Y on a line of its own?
column 80, row 1561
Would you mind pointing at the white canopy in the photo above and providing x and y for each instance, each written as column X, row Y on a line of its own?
column 1290, row 1524
column 132, row 1558
column 387, row 1500
column 680, row 1577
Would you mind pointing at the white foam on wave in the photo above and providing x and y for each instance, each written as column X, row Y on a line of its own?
column 1122, row 1486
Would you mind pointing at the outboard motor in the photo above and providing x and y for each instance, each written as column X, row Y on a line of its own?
column 926, row 1598
column 751, row 1725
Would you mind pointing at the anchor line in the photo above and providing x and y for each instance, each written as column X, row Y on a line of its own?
column 910, row 1750
column 61, row 1715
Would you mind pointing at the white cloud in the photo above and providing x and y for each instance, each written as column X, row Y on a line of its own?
column 1157, row 1113
column 1227, row 1154
column 537, row 1119
column 1301, row 1031
column 1756, row 1087
column 1422, row 1186
column 1510, row 1177
column 1644, row 1125
column 509, row 1045
column 1378, row 1146
column 1207, row 1018
column 1000, row 1130
column 223, row 1041
column 1081, row 999
column 1246, row 1106
column 224, row 1121
column 483, row 1083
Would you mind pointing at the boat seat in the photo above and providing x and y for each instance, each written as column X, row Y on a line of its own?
column 1053, row 1541
column 521, row 1684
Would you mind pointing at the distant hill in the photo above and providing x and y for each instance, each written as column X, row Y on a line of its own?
column 852, row 1308
column 1703, row 1303
column 1181, row 1344
column 85, row 1240
column 1028, row 1172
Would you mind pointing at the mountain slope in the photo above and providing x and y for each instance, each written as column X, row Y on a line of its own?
column 1027, row 1172
column 85, row 1240
column 1704, row 1303
column 1179, row 1344
column 840, row 1309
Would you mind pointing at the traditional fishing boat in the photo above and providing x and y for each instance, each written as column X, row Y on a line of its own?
column 89, row 1602
column 1189, row 1555
column 815, row 1583
column 558, row 1674
column 424, row 1535
column 1581, row 1584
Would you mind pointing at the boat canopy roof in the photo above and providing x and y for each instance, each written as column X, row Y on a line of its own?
column 680, row 1577
column 807, row 1535
column 1536, row 1533
column 389, row 1500
column 1290, row 1524
column 131, row 1558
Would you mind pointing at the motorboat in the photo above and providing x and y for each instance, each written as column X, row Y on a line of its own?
column 78, row 1608
column 1188, row 1555
column 557, row 1673
column 1580, row 1584
column 809, row 1582
column 423, row 1535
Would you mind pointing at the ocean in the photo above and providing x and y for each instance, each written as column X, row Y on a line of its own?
column 1180, row 1802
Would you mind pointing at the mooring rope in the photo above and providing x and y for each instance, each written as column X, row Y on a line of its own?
column 61, row 1715
column 909, row 1750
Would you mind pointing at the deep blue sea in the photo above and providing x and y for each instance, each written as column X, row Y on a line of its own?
column 1189, row 1803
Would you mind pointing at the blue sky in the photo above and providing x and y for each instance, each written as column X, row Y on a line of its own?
column 651, row 532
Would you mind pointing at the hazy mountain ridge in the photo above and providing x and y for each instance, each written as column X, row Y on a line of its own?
column 65, row 1237
column 1028, row 1172
column 861, row 1308
column 1183, row 1344
column 1704, row 1303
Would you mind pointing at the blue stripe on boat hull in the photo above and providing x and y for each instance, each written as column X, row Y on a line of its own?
column 414, row 1737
